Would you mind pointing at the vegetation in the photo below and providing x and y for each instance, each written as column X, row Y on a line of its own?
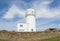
column 3, row 31
column 52, row 39
column 30, row 36
column 3, row 40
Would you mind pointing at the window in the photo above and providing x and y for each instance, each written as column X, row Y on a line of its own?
column 21, row 25
column 21, row 30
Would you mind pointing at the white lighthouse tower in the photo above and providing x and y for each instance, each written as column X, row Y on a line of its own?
column 30, row 20
column 30, row 24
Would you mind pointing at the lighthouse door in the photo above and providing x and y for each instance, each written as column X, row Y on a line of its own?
column 32, row 30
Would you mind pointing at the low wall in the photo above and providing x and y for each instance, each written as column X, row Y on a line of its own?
column 27, row 36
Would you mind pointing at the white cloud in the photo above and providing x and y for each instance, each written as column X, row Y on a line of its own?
column 43, row 10
column 13, row 11
column 7, row 26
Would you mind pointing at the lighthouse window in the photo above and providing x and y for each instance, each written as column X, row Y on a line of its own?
column 21, row 30
column 21, row 25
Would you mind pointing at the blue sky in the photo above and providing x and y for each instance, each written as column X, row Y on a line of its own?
column 13, row 11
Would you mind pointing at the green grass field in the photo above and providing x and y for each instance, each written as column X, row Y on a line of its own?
column 3, row 40
column 52, row 39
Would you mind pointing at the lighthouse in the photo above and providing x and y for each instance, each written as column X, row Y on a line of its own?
column 30, row 19
column 30, row 24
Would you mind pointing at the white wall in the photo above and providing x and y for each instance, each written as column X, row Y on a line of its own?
column 32, row 22
column 24, row 28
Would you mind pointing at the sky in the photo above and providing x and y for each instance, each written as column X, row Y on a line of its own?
column 12, row 12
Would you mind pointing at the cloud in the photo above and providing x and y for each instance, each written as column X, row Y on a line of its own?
column 43, row 10
column 7, row 26
column 12, row 11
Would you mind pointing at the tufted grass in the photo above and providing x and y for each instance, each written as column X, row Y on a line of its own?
column 3, row 40
column 52, row 39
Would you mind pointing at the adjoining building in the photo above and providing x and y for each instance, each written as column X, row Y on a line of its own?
column 30, row 24
column 51, row 29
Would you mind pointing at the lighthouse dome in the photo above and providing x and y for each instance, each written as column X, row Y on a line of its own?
column 30, row 12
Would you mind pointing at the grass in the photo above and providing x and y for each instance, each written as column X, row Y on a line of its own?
column 3, row 40
column 52, row 39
